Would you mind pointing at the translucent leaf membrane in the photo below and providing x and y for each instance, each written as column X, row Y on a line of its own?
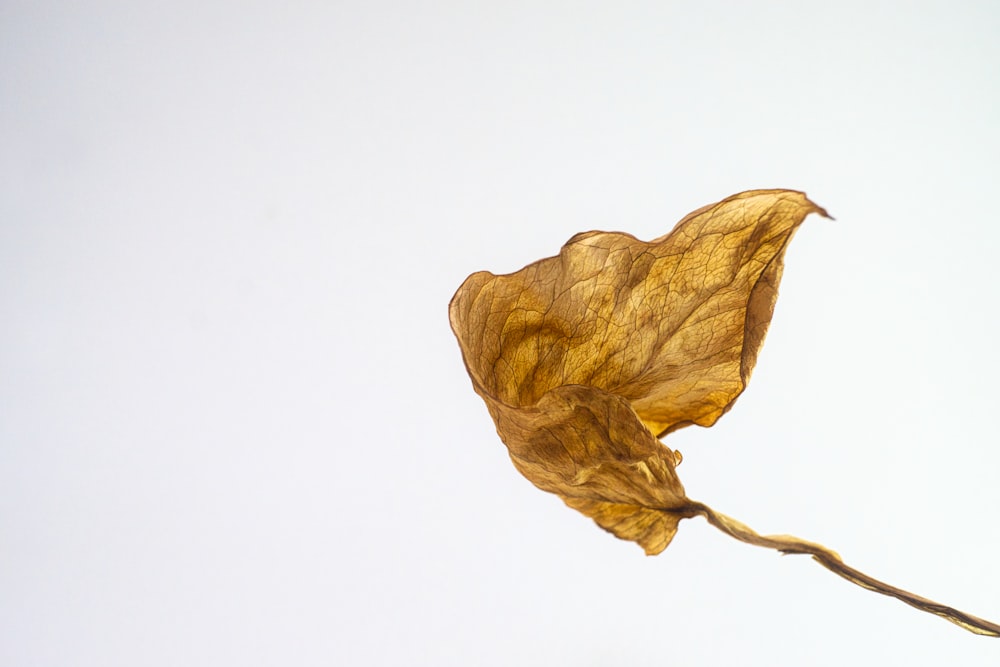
column 585, row 359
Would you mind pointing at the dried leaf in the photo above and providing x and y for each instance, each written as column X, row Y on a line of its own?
column 586, row 358
column 583, row 357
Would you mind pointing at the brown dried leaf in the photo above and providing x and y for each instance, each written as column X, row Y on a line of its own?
column 586, row 358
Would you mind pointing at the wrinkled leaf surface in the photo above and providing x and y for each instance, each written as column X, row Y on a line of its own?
column 585, row 358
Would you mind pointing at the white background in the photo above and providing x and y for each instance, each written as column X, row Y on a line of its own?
column 235, row 428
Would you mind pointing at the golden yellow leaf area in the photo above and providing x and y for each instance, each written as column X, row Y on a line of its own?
column 585, row 359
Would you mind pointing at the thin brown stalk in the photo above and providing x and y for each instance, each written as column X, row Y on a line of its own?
column 832, row 561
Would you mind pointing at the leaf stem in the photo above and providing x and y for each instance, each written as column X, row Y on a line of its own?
column 831, row 560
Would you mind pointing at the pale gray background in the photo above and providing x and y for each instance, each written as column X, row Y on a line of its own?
column 235, row 428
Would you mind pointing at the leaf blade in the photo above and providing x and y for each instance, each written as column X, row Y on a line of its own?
column 585, row 357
